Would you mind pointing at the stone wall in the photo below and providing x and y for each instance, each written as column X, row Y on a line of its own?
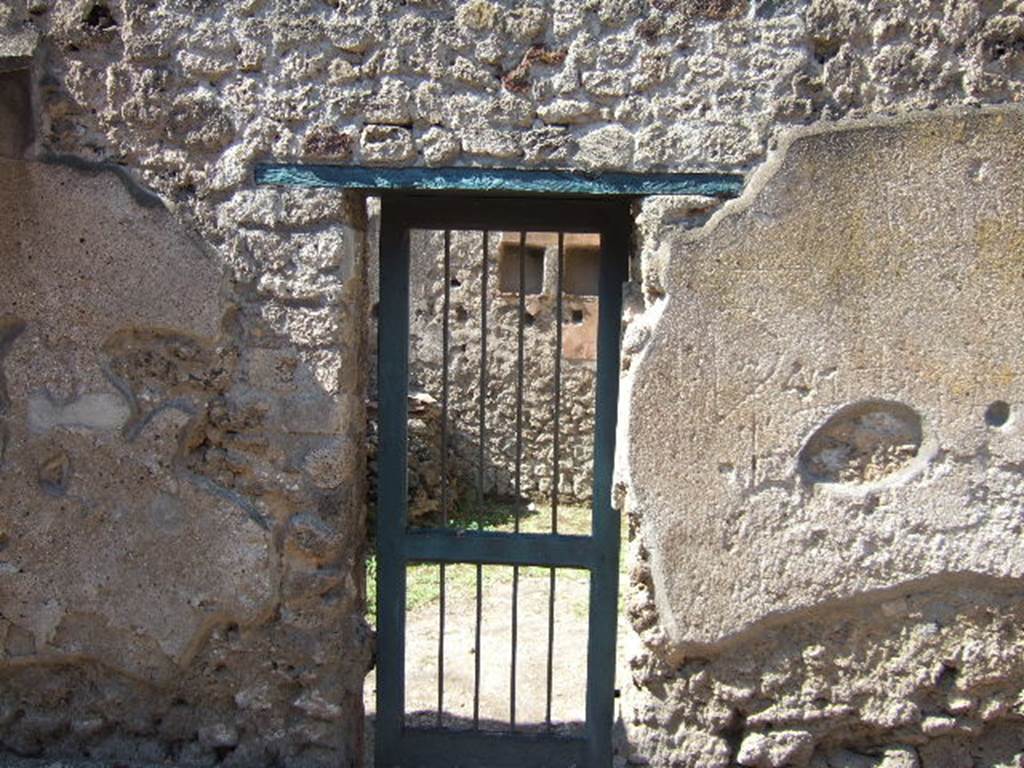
column 182, row 531
column 192, row 98
column 207, row 415
column 833, row 576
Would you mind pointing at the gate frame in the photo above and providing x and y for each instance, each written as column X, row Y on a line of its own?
column 397, row 745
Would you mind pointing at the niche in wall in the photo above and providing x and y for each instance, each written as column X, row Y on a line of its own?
column 508, row 267
column 863, row 443
column 582, row 268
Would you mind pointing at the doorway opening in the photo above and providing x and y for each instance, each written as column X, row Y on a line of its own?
column 497, row 551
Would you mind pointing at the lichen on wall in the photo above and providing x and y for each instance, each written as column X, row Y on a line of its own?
column 833, row 578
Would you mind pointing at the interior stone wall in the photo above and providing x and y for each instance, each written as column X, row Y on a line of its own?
column 577, row 375
column 833, row 576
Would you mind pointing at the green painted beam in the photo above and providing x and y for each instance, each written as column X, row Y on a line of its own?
column 498, row 548
column 498, row 180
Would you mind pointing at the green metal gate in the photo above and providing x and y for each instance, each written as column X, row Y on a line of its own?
column 398, row 742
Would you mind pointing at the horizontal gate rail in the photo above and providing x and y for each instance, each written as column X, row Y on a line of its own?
column 497, row 548
column 435, row 748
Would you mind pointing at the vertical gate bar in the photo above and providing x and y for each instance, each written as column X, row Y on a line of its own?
column 520, row 359
column 446, row 307
column 556, row 452
column 555, row 471
column 392, row 385
column 482, row 412
column 444, row 465
column 605, row 521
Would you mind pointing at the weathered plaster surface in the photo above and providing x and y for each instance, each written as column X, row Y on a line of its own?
column 870, row 278
column 181, row 528
column 71, row 288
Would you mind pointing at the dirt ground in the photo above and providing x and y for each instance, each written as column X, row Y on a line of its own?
column 568, row 665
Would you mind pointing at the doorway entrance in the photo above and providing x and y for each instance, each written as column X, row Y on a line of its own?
column 546, row 275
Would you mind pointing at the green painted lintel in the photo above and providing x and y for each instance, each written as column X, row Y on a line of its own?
column 499, row 180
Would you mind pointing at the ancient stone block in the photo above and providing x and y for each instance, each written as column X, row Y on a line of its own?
column 477, row 15
column 490, row 142
column 776, row 749
column 386, row 145
column 548, row 145
column 604, row 148
column 201, row 120
column 328, row 143
column 391, row 104
column 567, row 111
column 439, row 147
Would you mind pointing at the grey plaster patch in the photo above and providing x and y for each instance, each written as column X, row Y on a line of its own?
column 167, row 513
column 147, row 198
column 97, row 410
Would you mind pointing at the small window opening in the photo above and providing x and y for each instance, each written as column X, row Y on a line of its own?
column 577, row 316
column 508, row 268
column 582, row 269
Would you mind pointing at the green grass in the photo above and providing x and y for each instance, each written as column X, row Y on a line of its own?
column 423, row 580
